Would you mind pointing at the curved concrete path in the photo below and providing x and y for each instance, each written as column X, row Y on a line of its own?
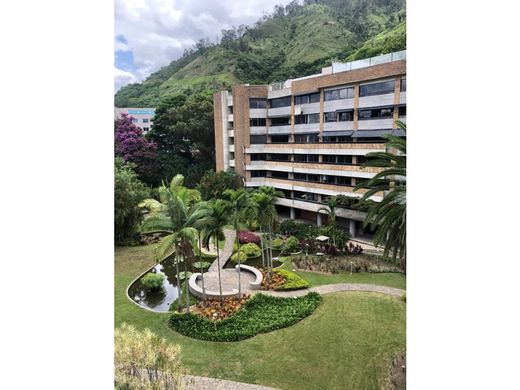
column 226, row 252
column 204, row 383
column 337, row 287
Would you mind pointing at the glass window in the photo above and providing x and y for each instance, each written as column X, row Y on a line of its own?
column 329, row 117
column 402, row 111
column 365, row 114
column 279, row 175
column 305, row 99
column 145, row 120
column 403, row 85
column 314, row 98
column 376, row 113
column 343, row 181
column 377, row 88
column 305, row 138
column 257, row 122
column 257, row 103
column 284, row 121
column 343, row 93
column 258, row 173
column 280, row 102
column 328, row 159
column 145, row 129
column 134, row 120
column 347, row 116
column 347, row 160
column 313, row 118
column 386, row 112
column 258, row 157
column 279, row 138
column 258, row 139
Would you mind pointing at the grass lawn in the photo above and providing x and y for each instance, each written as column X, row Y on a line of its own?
column 348, row 343
column 396, row 280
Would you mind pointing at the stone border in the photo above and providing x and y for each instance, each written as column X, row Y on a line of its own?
column 198, row 292
column 254, row 285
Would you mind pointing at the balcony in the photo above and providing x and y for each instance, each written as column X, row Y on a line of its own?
column 338, row 126
column 232, row 148
column 402, row 98
column 257, row 113
column 230, row 118
column 231, row 133
column 230, row 100
column 386, row 99
column 375, row 124
column 232, row 163
column 258, row 130
column 279, row 111
column 305, row 128
column 286, row 129
column 309, row 108
column 340, row 104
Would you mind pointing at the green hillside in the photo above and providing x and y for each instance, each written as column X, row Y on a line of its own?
column 292, row 42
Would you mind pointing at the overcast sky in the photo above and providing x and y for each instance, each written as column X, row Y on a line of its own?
column 151, row 33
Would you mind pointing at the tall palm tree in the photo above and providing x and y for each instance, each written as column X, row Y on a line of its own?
column 388, row 217
column 330, row 210
column 241, row 206
column 215, row 219
column 180, row 219
column 265, row 198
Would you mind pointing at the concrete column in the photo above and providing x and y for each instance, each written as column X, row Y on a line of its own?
column 292, row 213
column 352, row 228
column 319, row 219
column 361, row 231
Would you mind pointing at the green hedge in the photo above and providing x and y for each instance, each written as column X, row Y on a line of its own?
column 260, row 314
column 251, row 250
column 294, row 282
column 243, row 257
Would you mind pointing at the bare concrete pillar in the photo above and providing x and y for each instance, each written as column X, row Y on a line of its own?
column 319, row 219
column 292, row 213
column 352, row 228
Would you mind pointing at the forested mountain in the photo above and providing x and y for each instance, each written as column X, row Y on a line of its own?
column 293, row 41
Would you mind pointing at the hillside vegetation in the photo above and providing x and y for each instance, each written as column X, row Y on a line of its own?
column 294, row 41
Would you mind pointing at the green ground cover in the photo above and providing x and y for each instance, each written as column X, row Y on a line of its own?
column 348, row 342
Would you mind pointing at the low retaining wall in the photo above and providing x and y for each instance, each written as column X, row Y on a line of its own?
column 197, row 291
column 255, row 284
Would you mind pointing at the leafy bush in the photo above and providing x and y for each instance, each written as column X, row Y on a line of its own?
column 243, row 257
column 133, row 348
column 294, row 282
column 201, row 264
column 251, row 250
column 153, row 281
column 245, row 237
column 260, row 314
column 298, row 229
column 277, row 243
column 291, row 245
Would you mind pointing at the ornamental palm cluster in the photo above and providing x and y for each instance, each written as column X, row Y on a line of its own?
column 388, row 217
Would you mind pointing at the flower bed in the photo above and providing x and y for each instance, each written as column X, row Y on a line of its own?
column 260, row 314
column 342, row 264
column 212, row 310
column 283, row 280
column 245, row 237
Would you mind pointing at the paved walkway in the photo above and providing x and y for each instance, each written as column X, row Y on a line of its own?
column 203, row 383
column 226, row 252
column 337, row 287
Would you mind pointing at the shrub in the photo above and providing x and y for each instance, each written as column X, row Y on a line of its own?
column 245, row 237
column 277, row 243
column 293, row 281
column 291, row 245
column 201, row 264
column 153, row 281
column 260, row 314
column 151, row 354
column 403, row 297
column 243, row 257
column 251, row 250
column 298, row 229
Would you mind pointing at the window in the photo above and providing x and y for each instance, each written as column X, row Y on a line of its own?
column 329, row 117
column 305, row 99
column 306, row 177
column 346, row 160
column 258, row 173
column 343, row 93
column 347, row 116
column 337, row 140
column 376, row 113
column 257, row 103
column 402, row 111
column 134, row 120
column 145, row 120
column 145, row 129
column 279, row 139
column 309, row 197
column 284, row 121
column 258, row 139
column 279, row 175
column 361, row 160
column 403, row 85
column 278, row 157
column 280, row 102
column 343, row 181
column 305, row 138
column 307, row 119
column 377, row 88
column 313, row 118
column 257, row 122
column 258, row 157
column 312, row 158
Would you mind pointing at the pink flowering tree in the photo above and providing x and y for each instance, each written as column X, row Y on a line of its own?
column 132, row 147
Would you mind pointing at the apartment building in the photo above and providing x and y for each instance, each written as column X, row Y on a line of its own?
column 308, row 136
column 142, row 117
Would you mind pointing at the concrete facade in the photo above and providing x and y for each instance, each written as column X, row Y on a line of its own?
column 142, row 117
column 285, row 145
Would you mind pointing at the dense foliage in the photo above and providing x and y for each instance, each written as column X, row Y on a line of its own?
column 234, row 257
column 213, row 184
column 251, row 250
column 132, row 147
column 183, row 132
column 292, row 281
column 260, row 314
column 153, row 281
column 291, row 245
column 142, row 360
column 245, row 237
column 128, row 193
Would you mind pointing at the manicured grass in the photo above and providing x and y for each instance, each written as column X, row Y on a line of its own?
column 396, row 280
column 347, row 343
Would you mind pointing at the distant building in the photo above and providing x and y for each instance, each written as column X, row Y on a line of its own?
column 142, row 117
column 308, row 137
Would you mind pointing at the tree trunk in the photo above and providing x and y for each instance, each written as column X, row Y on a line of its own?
column 179, row 307
column 239, row 269
column 201, row 270
column 186, row 283
column 262, row 248
column 219, row 279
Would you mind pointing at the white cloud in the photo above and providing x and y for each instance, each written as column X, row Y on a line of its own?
column 122, row 78
column 158, row 31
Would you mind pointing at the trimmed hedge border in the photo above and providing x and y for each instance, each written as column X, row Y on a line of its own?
column 294, row 281
column 260, row 314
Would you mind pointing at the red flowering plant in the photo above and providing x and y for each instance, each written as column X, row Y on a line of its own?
column 245, row 237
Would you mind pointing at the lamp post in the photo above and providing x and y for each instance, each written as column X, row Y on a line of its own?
column 351, row 264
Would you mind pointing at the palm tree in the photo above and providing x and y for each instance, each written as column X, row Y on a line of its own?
column 388, row 217
column 265, row 198
column 181, row 216
column 240, row 206
column 215, row 218
column 330, row 210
